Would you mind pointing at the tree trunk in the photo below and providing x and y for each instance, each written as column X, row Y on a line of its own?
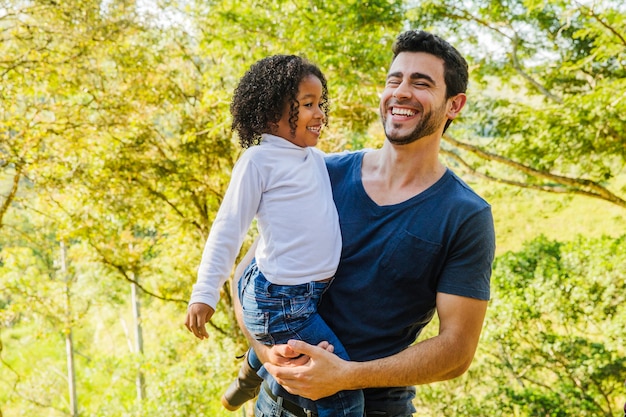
column 139, row 382
column 69, row 345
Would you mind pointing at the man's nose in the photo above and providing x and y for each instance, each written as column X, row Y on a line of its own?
column 402, row 90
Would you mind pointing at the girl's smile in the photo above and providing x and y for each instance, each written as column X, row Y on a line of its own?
column 310, row 117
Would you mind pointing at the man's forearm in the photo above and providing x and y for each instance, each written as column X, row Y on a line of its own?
column 432, row 360
column 445, row 356
column 442, row 357
column 325, row 374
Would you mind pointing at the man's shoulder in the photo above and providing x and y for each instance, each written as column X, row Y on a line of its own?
column 466, row 193
column 344, row 157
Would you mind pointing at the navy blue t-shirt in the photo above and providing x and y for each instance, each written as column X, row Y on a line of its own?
column 396, row 258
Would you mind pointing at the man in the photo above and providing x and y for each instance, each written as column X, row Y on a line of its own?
column 416, row 240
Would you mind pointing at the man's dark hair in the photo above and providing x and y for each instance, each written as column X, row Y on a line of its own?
column 455, row 71
column 259, row 99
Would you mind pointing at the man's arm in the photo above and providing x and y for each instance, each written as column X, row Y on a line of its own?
column 445, row 356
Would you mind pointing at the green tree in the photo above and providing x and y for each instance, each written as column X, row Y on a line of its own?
column 125, row 150
column 561, row 351
column 547, row 109
column 115, row 137
column 553, row 342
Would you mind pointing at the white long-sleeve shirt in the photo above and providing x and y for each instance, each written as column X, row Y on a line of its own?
column 288, row 189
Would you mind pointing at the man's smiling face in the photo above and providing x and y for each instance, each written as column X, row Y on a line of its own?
column 413, row 104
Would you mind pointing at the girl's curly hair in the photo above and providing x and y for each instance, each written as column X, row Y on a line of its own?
column 263, row 91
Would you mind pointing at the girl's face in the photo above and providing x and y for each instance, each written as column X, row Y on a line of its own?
column 310, row 115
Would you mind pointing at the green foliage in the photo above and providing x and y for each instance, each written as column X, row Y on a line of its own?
column 547, row 90
column 553, row 342
column 566, row 345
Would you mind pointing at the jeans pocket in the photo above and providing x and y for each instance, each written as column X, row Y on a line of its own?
column 257, row 323
column 298, row 311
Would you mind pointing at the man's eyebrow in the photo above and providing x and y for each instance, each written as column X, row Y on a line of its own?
column 420, row 76
column 414, row 76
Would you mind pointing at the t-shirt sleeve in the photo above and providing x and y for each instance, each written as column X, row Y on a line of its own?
column 468, row 269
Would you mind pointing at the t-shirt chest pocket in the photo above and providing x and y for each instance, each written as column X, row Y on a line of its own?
column 408, row 256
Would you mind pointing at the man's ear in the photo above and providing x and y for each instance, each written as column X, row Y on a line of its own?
column 456, row 105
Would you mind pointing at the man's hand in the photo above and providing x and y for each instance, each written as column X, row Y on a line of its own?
column 198, row 314
column 318, row 377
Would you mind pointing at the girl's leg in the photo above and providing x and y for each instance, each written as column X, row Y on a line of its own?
column 302, row 321
column 273, row 314
column 343, row 403
column 246, row 386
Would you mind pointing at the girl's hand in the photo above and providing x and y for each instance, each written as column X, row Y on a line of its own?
column 198, row 315
column 284, row 355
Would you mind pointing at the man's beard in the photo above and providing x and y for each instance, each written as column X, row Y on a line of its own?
column 429, row 124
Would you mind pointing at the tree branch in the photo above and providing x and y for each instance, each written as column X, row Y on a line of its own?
column 12, row 192
column 602, row 22
column 572, row 185
column 518, row 68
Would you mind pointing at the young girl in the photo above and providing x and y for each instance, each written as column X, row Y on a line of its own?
column 280, row 105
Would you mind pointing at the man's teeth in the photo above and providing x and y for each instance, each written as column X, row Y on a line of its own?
column 402, row 112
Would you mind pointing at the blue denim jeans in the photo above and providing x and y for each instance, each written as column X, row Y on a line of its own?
column 274, row 314
column 268, row 407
